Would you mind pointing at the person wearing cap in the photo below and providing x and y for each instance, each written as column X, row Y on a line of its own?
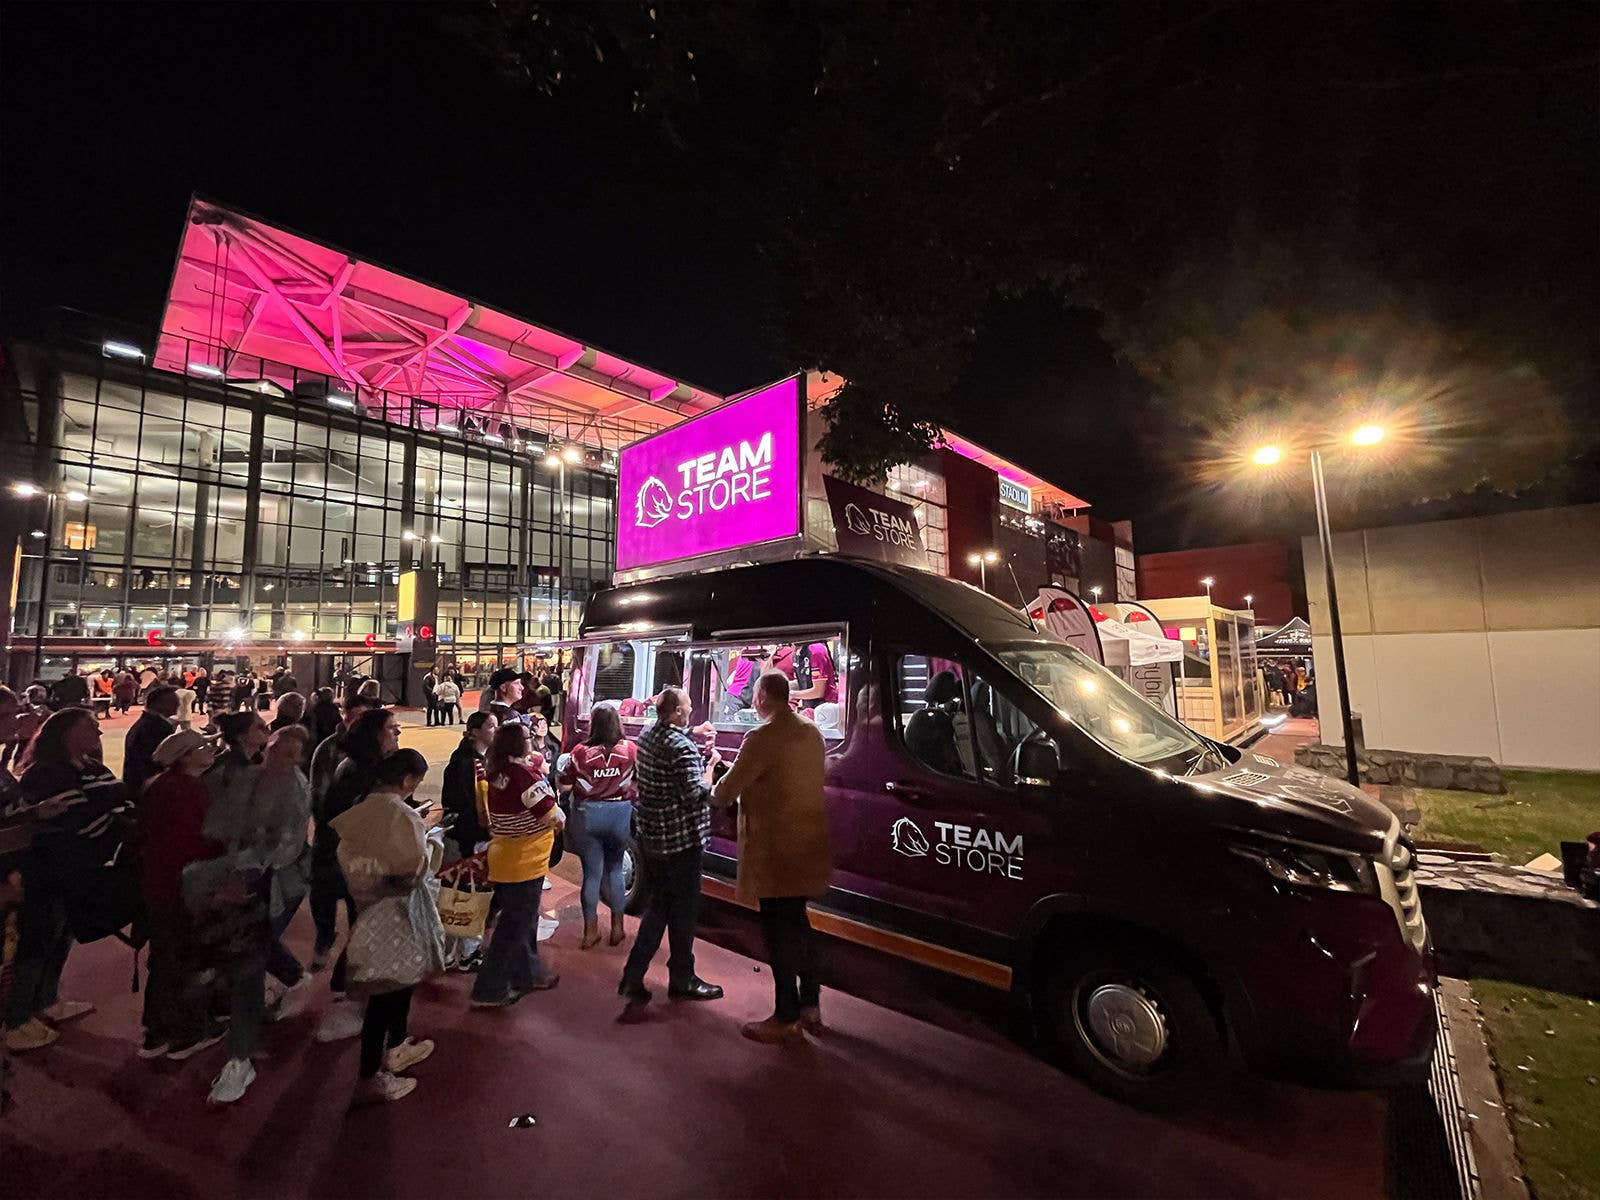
column 172, row 816
column 505, row 685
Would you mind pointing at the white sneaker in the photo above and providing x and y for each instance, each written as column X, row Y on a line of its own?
column 292, row 1000
column 386, row 1085
column 67, row 1010
column 407, row 1055
column 232, row 1081
column 342, row 1021
column 548, row 885
column 32, row 1034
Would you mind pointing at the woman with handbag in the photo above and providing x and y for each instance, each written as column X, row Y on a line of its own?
column 523, row 818
column 389, row 858
column 598, row 776
column 81, row 811
column 263, row 813
column 239, row 927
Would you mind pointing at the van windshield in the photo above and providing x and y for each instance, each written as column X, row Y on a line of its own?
column 1107, row 709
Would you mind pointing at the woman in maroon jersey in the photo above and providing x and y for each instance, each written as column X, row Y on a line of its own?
column 599, row 777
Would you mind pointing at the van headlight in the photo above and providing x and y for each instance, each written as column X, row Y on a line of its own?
column 1310, row 866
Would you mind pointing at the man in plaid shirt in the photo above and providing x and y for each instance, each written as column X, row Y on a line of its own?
column 673, row 821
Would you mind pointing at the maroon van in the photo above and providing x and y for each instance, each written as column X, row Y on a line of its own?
column 1006, row 809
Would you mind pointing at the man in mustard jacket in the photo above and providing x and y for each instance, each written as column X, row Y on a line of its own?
column 784, row 856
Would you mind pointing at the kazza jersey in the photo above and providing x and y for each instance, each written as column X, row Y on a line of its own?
column 598, row 773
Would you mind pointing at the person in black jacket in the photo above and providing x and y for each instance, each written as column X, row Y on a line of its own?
column 371, row 737
column 80, row 812
column 153, row 727
column 322, row 716
column 462, row 777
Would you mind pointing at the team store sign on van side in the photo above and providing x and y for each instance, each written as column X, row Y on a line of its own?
column 962, row 847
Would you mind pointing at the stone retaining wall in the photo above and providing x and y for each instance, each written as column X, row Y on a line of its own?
column 1488, row 919
column 1453, row 771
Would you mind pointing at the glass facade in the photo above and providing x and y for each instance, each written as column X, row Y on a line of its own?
column 256, row 515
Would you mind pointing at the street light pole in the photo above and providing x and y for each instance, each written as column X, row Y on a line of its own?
column 1325, row 537
column 44, row 583
column 981, row 560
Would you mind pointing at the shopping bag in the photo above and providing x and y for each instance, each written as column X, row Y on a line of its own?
column 395, row 943
column 464, row 900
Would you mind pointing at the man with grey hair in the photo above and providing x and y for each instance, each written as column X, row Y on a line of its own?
column 784, row 852
column 674, row 821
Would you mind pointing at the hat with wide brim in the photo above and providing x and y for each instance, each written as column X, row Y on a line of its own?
column 176, row 746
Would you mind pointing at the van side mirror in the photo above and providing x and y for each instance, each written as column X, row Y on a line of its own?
column 1036, row 763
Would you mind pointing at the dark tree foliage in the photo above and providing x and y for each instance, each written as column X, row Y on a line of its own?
column 1289, row 217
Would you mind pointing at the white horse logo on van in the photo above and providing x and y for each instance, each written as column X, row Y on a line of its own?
column 857, row 520
column 908, row 839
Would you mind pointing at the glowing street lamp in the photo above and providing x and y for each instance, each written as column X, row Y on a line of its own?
column 1208, row 581
column 1248, row 599
column 983, row 561
column 1095, row 592
column 1365, row 435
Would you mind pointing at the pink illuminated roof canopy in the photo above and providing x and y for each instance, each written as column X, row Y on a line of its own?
column 248, row 299
column 1044, row 492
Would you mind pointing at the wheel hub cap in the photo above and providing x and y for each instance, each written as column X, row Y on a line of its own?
column 1126, row 1024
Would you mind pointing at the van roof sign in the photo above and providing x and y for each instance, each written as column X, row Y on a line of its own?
column 723, row 480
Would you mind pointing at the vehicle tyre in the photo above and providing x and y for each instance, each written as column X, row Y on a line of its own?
column 1133, row 1025
column 632, row 879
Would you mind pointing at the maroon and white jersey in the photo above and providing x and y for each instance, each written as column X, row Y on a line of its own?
column 601, row 773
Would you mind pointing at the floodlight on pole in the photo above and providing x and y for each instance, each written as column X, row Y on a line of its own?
column 1365, row 435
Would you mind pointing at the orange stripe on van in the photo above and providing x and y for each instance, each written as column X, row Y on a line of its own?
column 915, row 950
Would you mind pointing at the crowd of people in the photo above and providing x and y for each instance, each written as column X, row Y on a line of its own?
column 213, row 838
column 1292, row 684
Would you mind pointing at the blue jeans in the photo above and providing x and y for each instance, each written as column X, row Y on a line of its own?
column 672, row 905
column 602, row 835
column 511, row 965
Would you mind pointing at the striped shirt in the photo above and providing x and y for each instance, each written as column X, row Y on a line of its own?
column 674, row 812
column 519, row 795
column 87, row 803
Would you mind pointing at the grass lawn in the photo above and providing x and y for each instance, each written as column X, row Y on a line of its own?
column 1539, row 810
column 1547, row 1049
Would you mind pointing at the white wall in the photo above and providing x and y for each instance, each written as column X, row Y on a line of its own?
column 1477, row 637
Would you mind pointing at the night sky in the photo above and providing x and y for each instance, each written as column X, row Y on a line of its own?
column 378, row 130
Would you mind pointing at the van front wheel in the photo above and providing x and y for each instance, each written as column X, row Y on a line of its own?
column 1132, row 1025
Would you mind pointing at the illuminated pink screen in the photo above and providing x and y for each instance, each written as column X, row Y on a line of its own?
column 728, row 478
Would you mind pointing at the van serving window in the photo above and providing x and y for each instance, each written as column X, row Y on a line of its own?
column 814, row 660
column 629, row 674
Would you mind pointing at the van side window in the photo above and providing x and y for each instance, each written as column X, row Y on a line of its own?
column 998, row 727
column 932, row 708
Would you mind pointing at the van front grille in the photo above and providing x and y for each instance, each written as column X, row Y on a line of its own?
column 1403, row 863
column 1397, row 877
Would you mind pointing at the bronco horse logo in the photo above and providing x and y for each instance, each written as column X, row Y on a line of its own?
column 653, row 505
